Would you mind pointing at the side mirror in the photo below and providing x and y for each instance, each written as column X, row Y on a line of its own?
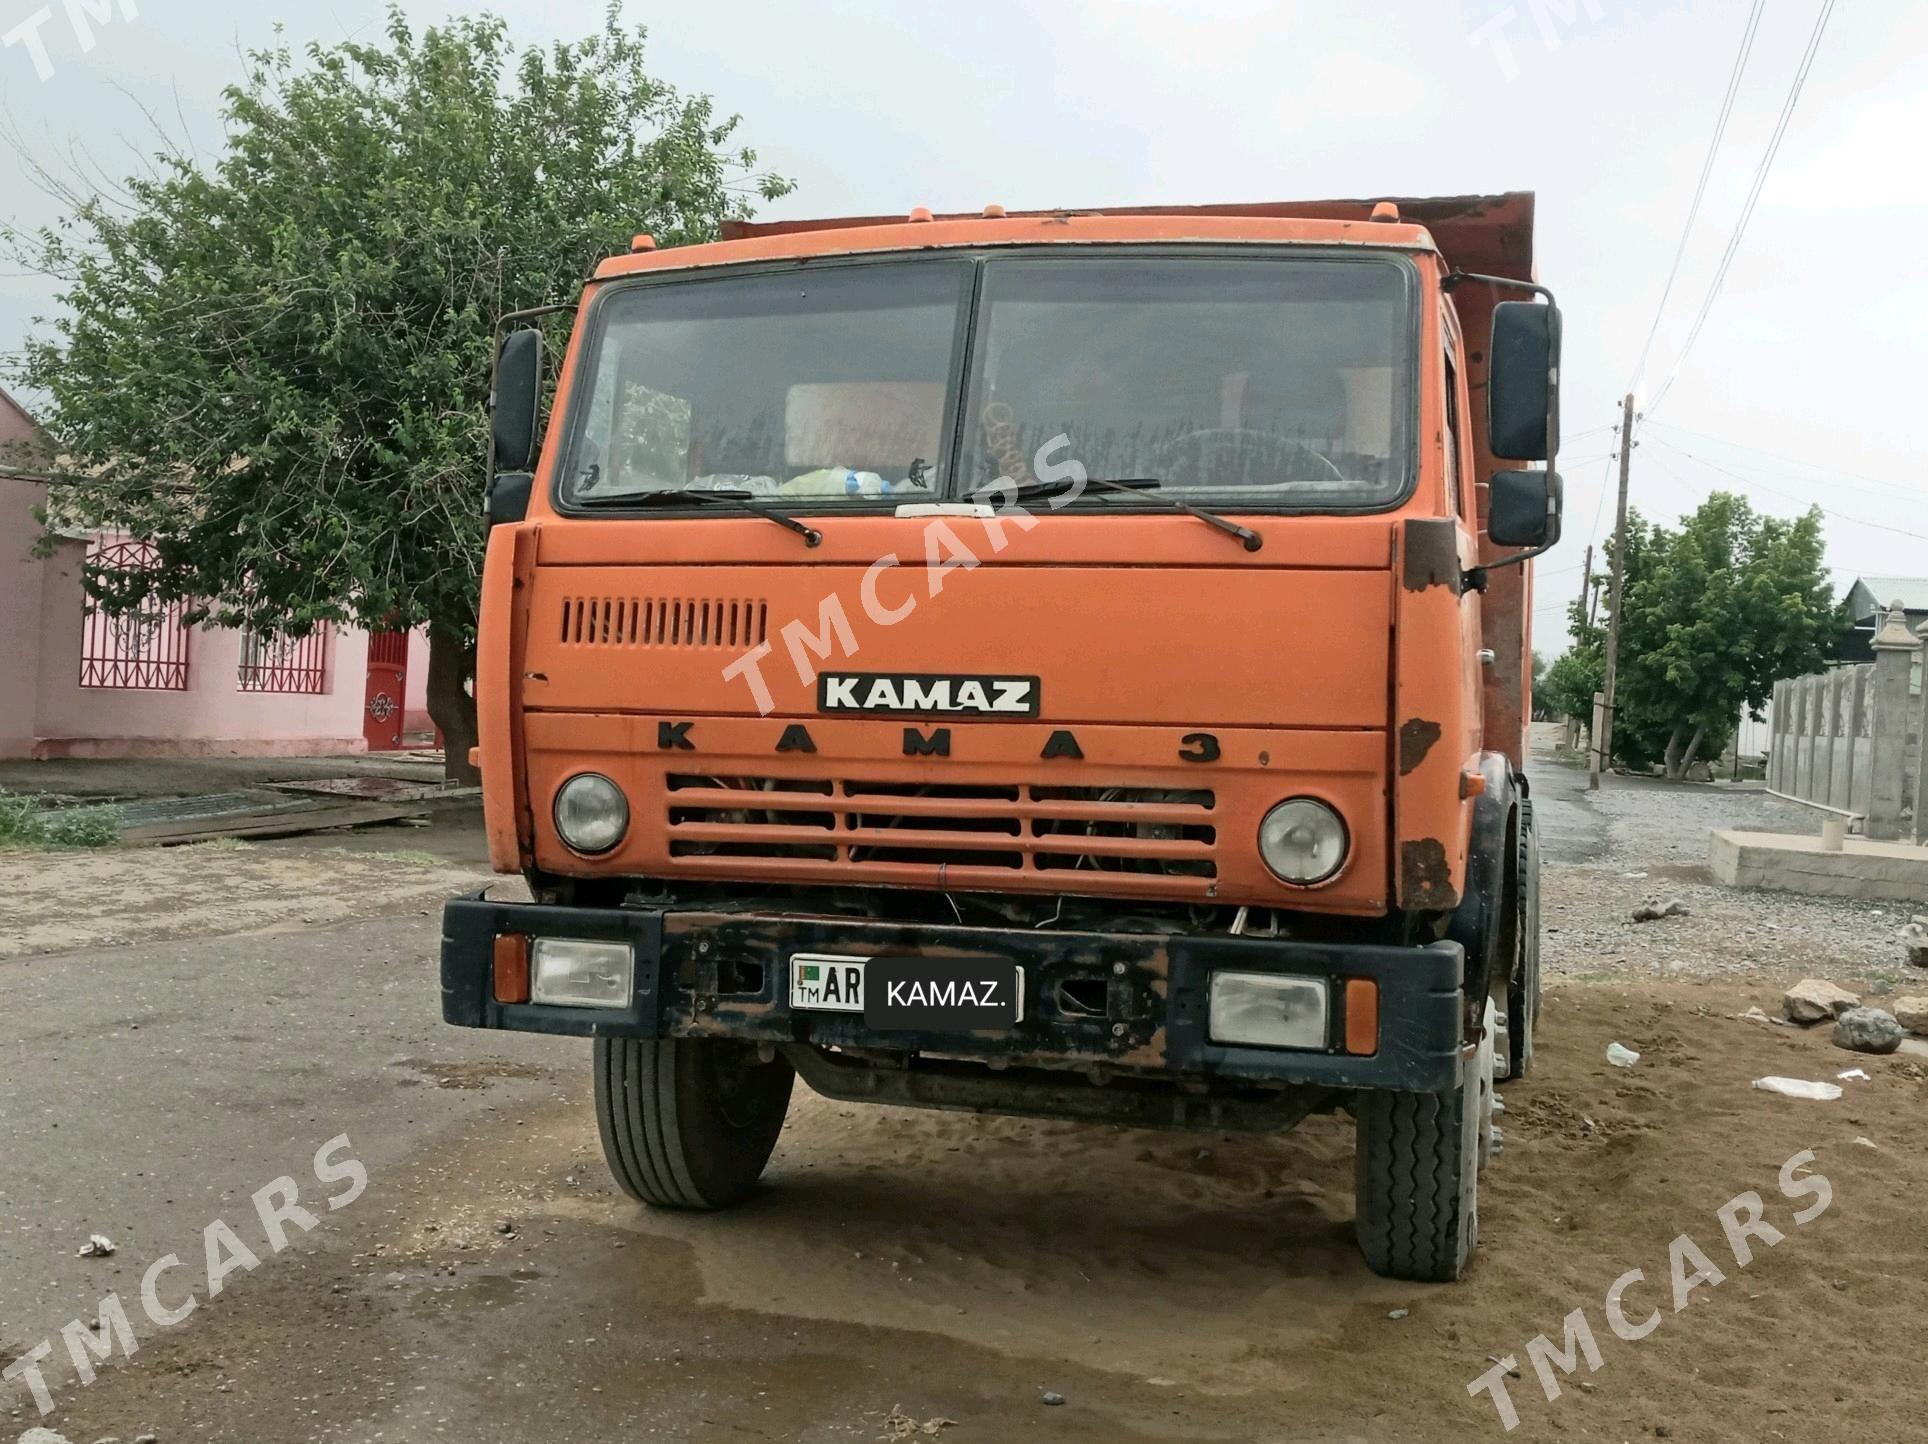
column 514, row 400
column 1523, row 382
column 509, row 496
column 1523, row 508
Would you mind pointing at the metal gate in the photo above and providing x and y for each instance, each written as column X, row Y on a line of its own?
column 387, row 691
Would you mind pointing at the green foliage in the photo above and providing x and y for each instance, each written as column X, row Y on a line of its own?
column 26, row 822
column 1714, row 613
column 275, row 366
column 1572, row 680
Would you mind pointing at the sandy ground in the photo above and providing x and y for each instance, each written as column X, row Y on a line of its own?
column 65, row 900
column 927, row 1267
column 1169, row 1287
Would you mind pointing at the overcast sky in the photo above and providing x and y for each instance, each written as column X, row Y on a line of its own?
column 1806, row 379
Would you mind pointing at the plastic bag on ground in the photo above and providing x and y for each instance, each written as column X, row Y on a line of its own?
column 1800, row 1088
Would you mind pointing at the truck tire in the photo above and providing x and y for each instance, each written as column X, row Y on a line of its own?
column 1523, row 988
column 1416, row 1175
column 688, row 1122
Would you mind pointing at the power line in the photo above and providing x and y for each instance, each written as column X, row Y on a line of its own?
column 1700, row 187
column 1593, row 532
column 1581, row 435
column 1753, row 198
column 1786, row 495
column 1875, row 482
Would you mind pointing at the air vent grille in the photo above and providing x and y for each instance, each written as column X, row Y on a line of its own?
column 721, row 622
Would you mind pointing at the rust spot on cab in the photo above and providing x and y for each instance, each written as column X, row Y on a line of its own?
column 1432, row 554
column 1425, row 878
column 1416, row 739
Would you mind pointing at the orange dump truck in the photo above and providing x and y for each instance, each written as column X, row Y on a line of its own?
column 1069, row 664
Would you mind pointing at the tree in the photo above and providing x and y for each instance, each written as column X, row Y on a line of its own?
column 1712, row 615
column 275, row 367
column 1571, row 681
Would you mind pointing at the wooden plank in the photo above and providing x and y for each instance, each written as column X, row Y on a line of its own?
column 276, row 823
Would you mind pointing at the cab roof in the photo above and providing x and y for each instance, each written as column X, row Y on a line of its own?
column 1493, row 234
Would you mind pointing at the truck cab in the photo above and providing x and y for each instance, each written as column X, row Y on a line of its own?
column 1070, row 664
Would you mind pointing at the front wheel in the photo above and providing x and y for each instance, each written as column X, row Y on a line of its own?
column 1416, row 1174
column 688, row 1122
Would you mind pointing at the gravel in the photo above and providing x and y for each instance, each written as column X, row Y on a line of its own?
column 1650, row 838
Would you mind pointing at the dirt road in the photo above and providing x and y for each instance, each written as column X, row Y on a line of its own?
column 905, row 1268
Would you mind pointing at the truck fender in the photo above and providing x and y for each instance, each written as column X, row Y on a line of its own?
column 1476, row 923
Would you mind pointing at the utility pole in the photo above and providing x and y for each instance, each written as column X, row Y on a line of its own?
column 1570, row 734
column 1603, row 729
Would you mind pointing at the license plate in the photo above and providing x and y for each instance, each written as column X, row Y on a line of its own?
column 827, row 983
column 937, row 995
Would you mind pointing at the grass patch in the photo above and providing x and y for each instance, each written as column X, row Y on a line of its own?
column 25, row 822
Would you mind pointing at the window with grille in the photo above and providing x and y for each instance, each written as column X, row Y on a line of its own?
column 284, row 664
column 145, row 649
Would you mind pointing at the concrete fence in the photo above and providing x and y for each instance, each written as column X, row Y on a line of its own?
column 1849, row 740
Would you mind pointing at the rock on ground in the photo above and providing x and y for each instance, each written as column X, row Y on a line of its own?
column 1812, row 1000
column 1652, row 910
column 1868, row 1030
column 1911, row 1013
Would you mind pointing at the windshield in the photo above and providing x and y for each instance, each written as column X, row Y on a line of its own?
column 1239, row 382
column 1265, row 382
column 822, row 384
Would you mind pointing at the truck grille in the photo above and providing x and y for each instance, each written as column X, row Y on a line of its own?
column 870, row 827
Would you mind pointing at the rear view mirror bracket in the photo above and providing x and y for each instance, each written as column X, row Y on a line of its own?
column 1474, row 579
column 1454, row 279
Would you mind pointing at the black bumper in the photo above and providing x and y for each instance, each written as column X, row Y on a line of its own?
column 725, row 975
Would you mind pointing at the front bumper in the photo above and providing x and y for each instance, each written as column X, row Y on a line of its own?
column 1138, row 1001
column 725, row 975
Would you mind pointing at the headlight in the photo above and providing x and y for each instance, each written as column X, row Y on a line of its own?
column 591, row 813
column 1266, row 1010
column 1303, row 841
column 576, row 972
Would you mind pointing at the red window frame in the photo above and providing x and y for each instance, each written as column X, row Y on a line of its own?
column 284, row 664
column 142, row 650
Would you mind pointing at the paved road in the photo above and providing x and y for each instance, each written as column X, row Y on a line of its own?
column 1572, row 828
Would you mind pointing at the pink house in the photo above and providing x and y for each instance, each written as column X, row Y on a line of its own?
column 81, row 684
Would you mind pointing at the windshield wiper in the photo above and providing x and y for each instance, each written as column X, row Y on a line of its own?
column 1251, row 540
column 741, row 500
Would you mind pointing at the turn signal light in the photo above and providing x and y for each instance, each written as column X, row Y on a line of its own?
column 1362, row 1017
column 511, row 968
